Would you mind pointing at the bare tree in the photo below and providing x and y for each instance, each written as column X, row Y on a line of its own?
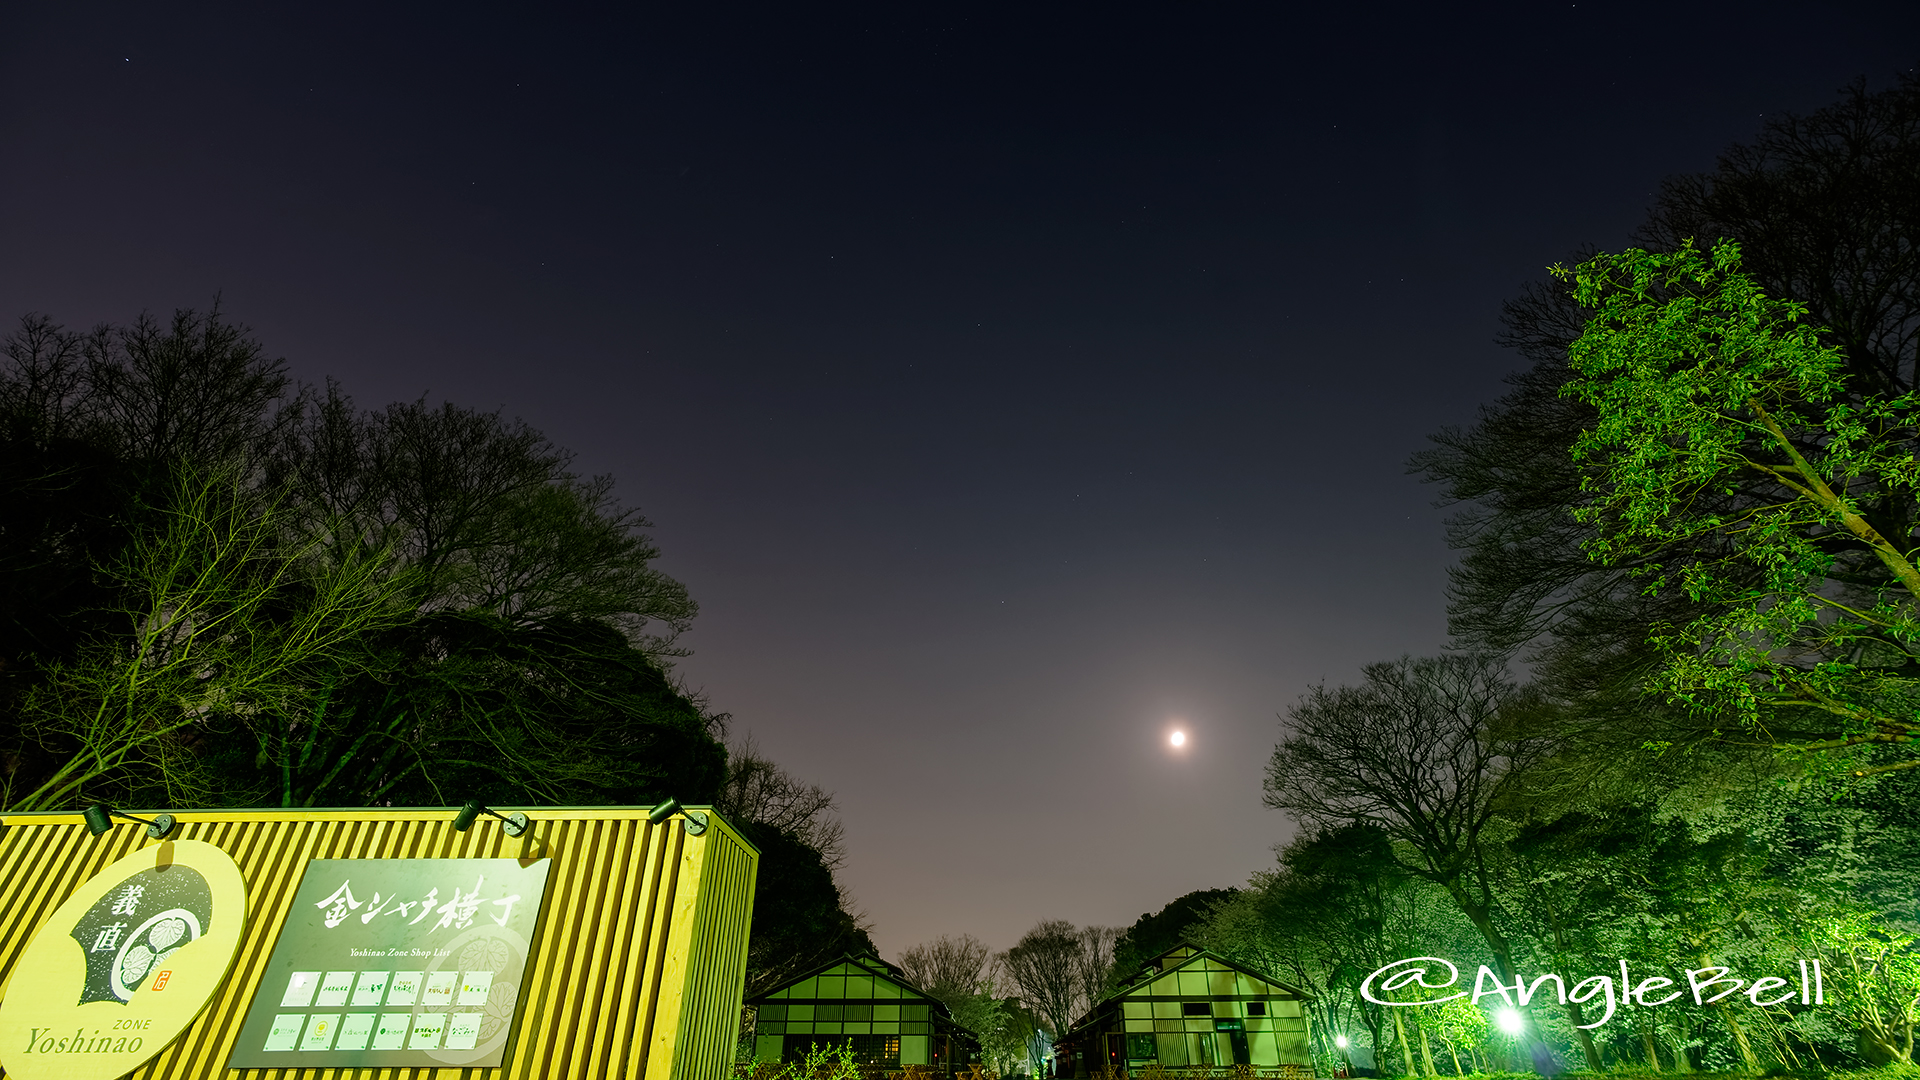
column 1421, row 750
column 950, row 966
column 1046, row 964
column 757, row 789
column 485, row 511
column 1096, row 962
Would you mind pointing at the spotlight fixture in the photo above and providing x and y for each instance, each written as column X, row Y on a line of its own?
column 694, row 822
column 100, row 818
column 516, row 822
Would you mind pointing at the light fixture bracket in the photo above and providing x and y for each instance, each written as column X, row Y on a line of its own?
column 99, row 818
column 516, row 822
column 693, row 821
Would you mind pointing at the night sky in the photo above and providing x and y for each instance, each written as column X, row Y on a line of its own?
column 1010, row 386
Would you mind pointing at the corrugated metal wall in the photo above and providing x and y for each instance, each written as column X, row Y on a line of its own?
column 636, row 968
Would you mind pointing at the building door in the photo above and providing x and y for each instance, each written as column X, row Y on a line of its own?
column 1236, row 1033
column 1241, row 1055
column 1116, row 1050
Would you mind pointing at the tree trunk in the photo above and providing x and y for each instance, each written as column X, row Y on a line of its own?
column 1574, row 1012
column 1481, row 916
column 1681, row 1062
column 1406, row 1051
column 1426, row 1048
column 1586, row 1037
column 1653, row 1055
column 1894, row 1043
column 1740, row 1039
column 1781, row 1042
column 1733, row 1025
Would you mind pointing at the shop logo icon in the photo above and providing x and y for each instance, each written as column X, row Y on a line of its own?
column 83, row 1000
column 131, row 932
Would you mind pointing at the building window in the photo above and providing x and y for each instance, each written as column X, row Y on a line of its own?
column 876, row 1049
column 1140, row 1047
column 1195, row 1008
column 867, row 1049
column 1256, row 1008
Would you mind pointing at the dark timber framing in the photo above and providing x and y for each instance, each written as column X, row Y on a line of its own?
column 864, row 1002
column 1189, row 1009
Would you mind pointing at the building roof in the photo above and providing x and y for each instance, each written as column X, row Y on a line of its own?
column 866, row 965
column 1162, row 974
column 850, row 964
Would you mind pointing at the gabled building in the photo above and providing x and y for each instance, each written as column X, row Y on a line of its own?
column 864, row 1002
column 1190, row 1009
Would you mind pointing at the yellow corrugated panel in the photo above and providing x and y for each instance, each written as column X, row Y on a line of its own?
column 635, row 970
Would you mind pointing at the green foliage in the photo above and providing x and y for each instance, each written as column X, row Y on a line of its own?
column 1728, row 462
column 1877, row 983
column 213, row 595
column 1155, row 932
column 451, row 706
column 823, row 1061
column 1695, row 513
column 1824, row 208
column 835, row 1062
column 1002, row 1026
column 223, row 629
column 1757, row 876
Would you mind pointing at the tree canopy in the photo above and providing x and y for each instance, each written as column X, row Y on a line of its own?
column 1823, row 209
column 1690, row 527
column 1729, row 461
column 221, row 590
column 1155, row 932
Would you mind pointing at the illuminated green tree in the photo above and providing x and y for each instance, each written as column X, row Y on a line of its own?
column 222, row 627
column 1875, row 987
column 1727, row 461
column 1825, row 207
column 181, row 550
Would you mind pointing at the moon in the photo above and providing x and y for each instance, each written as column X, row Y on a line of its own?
column 1178, row 738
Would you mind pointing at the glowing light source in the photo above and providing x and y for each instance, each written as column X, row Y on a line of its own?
column 1340, row 1041
column 1179, row 738
column 1510, row 1021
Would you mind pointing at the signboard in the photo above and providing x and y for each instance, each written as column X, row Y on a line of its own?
column 124, row 965
column 395, row 963
column 623, row 956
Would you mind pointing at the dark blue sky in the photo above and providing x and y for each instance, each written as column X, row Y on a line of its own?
column 1006, row 384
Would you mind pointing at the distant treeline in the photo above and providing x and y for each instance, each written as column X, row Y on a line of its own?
column 221, row 589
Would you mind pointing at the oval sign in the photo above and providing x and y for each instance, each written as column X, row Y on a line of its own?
column 124, row 965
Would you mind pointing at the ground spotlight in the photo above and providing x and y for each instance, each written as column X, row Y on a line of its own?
column 1510, row 1021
